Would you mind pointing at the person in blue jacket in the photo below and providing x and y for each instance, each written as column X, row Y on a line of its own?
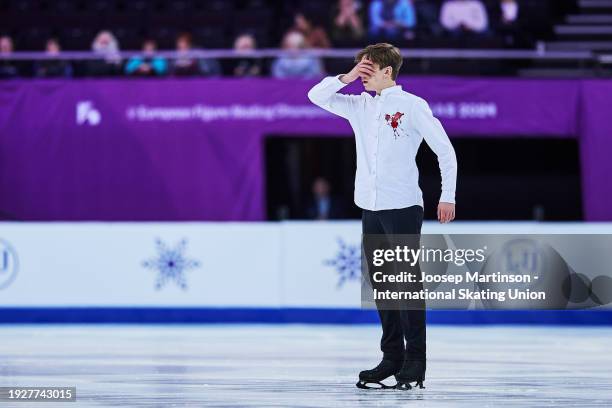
column 391, row 18
column 147, row 64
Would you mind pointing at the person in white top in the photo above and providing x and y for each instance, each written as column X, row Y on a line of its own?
column 464, row 15
column 389, row 128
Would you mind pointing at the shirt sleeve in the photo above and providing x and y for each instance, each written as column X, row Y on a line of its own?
column 432, row 131
column 324, row 94
column 278, row 70
column 314, row 69
column 132, row 65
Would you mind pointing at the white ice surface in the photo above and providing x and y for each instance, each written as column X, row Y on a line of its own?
column 305, row 366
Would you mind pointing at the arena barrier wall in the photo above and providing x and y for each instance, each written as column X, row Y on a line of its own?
column 285, row 272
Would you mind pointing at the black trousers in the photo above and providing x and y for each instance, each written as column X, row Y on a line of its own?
column 399, row 325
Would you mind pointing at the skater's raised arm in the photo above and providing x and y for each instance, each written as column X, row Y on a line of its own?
column 432, row 131
column 325, row 93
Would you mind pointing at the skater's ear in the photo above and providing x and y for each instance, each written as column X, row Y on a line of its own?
column 388, row 71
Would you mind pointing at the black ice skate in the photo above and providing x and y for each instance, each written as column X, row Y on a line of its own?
column 372, row 379
column 412, row 371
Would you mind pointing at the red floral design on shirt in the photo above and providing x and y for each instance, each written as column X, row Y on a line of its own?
column 394, row 121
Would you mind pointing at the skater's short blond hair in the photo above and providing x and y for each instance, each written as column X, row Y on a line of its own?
column 383, row 54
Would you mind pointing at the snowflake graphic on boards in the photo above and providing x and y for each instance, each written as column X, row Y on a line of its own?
column 170, row 264
column 347, row 262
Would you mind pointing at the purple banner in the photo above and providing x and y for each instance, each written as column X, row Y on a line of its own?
column 596, row 149
column 192, row 149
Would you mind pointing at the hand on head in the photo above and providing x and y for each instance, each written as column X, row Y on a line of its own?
column 364, row 70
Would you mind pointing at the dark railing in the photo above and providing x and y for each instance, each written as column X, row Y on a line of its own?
column 484, row 54
column 431, row 61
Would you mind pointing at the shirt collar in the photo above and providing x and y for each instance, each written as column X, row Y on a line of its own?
column 390, row 90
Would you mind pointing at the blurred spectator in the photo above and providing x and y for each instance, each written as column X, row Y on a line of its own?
column 392, row 19
column 147, row 64
column 246, row 67
column 186, row 65
column 348, row 23
column 427, row 13
column 508, row 25
column 509, row 11
column 53, row 67
column 8, row 68
column 296, row 64
column 107, row 47
column 323, row 205
column 461, row 16
column 315, row 37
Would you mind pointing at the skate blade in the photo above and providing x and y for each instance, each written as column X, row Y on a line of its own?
column 365, row 385
column 405, row 386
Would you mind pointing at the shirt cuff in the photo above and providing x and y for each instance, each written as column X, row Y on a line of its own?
column 447, row 197
column 340, row 83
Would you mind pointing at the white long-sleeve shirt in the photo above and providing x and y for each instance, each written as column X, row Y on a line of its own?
column 388, row 131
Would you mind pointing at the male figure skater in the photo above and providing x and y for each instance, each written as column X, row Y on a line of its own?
column 389, row 128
